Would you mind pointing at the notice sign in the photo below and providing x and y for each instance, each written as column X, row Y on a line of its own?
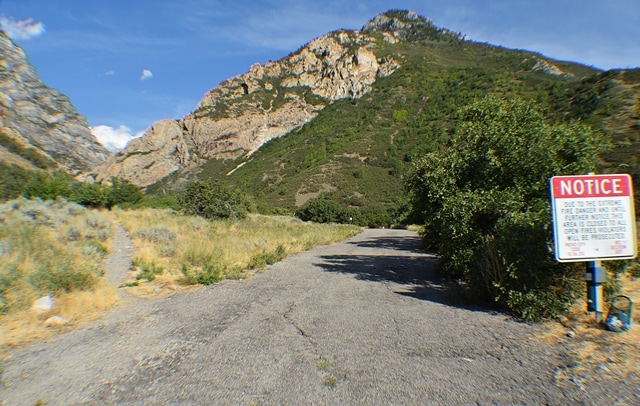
column 593, row 217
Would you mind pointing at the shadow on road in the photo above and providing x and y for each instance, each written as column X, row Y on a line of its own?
column 396, row 260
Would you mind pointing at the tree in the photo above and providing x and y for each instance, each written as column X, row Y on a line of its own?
column 323, row 210
column 485, row 203
column 122, row 192
column 89, row 194
column 47, row 187
column 212, row 199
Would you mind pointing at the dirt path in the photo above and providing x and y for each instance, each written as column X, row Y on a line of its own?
column 119, row 260
column 361, row 322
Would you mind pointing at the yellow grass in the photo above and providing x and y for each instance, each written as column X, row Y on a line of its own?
column 40, row 239
column 176, row 242
column 28, row 326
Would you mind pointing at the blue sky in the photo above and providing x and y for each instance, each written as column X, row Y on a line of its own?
column 126, row 64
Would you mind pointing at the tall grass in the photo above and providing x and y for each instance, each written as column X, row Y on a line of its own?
column 197, row 251
column 50, row 248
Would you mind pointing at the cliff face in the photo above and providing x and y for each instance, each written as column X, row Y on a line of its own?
column 241, row 114
column 36, row 116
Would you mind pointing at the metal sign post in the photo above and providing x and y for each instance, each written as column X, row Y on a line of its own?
column 593, row 220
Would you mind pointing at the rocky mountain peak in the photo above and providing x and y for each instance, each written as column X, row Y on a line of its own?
column 242, row 113
column 405, row 25
column 36, row 116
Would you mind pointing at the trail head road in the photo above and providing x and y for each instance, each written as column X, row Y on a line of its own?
column 361, row 322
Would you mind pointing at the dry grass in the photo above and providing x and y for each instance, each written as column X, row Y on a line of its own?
column 191, row 250
column 50, row 248
column 26, row 326
column 598, row 355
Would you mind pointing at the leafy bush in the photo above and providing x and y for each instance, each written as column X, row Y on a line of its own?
column 89, row 194
column 212, row 199
column 323, row 210
column 48, row 187
column 484, row 201
column 13, row 180
column 122, row 193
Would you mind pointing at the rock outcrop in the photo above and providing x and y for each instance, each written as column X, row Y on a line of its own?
column 36, row 116
column 241, row 114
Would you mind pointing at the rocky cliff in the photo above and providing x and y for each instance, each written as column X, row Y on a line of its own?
column 35, row 116
column 241, row 114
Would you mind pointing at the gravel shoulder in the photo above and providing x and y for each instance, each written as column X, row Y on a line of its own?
column 361, row 322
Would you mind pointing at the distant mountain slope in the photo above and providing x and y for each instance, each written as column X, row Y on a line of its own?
column 241, row 114
column 346, row 114
column 39, row 127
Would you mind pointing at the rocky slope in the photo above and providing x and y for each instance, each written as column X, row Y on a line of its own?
column 241, row 114
column 35, row 116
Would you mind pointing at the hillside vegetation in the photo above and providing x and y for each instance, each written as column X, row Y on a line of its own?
column 357, row 150
column 460, row 140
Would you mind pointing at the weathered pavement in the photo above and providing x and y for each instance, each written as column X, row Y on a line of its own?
column 361, row 322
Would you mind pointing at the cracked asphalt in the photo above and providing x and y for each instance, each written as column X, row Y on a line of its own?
column 365, row 321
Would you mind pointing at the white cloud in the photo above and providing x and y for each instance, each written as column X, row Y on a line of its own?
column 146, row 74
column 114, row 139
column 21, row 29
column 110, row 73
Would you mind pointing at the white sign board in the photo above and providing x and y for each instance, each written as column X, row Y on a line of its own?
column 593, row 217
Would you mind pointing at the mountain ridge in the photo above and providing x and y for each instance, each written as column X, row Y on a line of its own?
column 39, row 121
column 244, row 112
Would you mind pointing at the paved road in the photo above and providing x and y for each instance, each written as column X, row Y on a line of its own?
column 361, row 322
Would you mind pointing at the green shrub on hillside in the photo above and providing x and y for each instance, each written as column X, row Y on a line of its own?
column 485, row 203
column 323, row 210
column 212, row 199
column 48, row 187
column 13, row 180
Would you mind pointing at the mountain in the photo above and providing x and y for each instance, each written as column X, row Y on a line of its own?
column 347, row 113
column 39, row 127
column 241, row 114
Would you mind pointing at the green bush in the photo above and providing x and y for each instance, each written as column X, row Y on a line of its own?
column 323, row 210
column 89, row 194
column 58, row 276
column 207, row 276
column 48, row 187
column 122, row 193
column 13, row 179
column 485, row 203
column 212, row 199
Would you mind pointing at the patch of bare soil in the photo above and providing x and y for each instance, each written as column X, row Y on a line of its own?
column 603, row 365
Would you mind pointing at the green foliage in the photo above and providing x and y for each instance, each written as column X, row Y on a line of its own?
column 264, row 258
column 146, row 270
column 323, row 210
column 122, row 193
column 89, row 194
column 13, row 180
column 213, row 200
column 484, row 201
column 400, row 116
column 48, row 248
column 208, row 275
column 48, row 187
column 58, row 276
